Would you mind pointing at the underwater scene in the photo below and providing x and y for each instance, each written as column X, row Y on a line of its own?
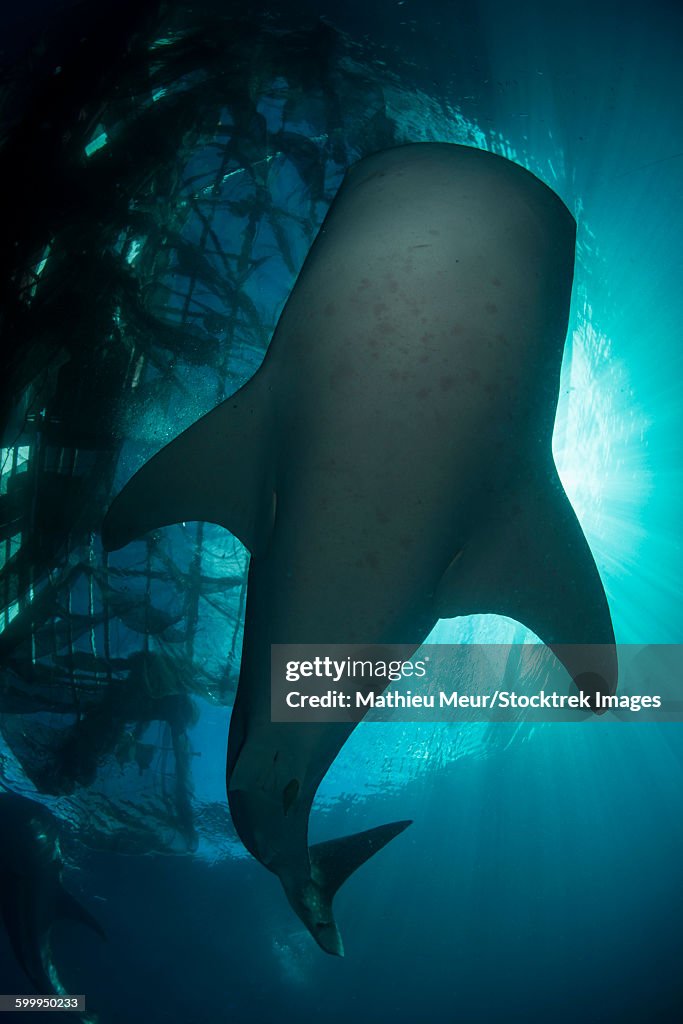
column 196, row 199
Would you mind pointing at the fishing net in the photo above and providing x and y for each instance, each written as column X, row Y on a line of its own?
column 166, row 169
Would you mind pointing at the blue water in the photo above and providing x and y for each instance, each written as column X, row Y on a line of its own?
column 541, row 880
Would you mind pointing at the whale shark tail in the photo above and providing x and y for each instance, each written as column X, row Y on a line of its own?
column 332, row 863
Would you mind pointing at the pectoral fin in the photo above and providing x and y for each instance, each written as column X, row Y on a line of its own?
column 218, row 471
column 531, row 562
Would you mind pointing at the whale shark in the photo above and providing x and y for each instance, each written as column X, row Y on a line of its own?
column 388, row 465
column 32, row 895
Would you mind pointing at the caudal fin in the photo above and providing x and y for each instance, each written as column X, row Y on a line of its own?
column 331, row 864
